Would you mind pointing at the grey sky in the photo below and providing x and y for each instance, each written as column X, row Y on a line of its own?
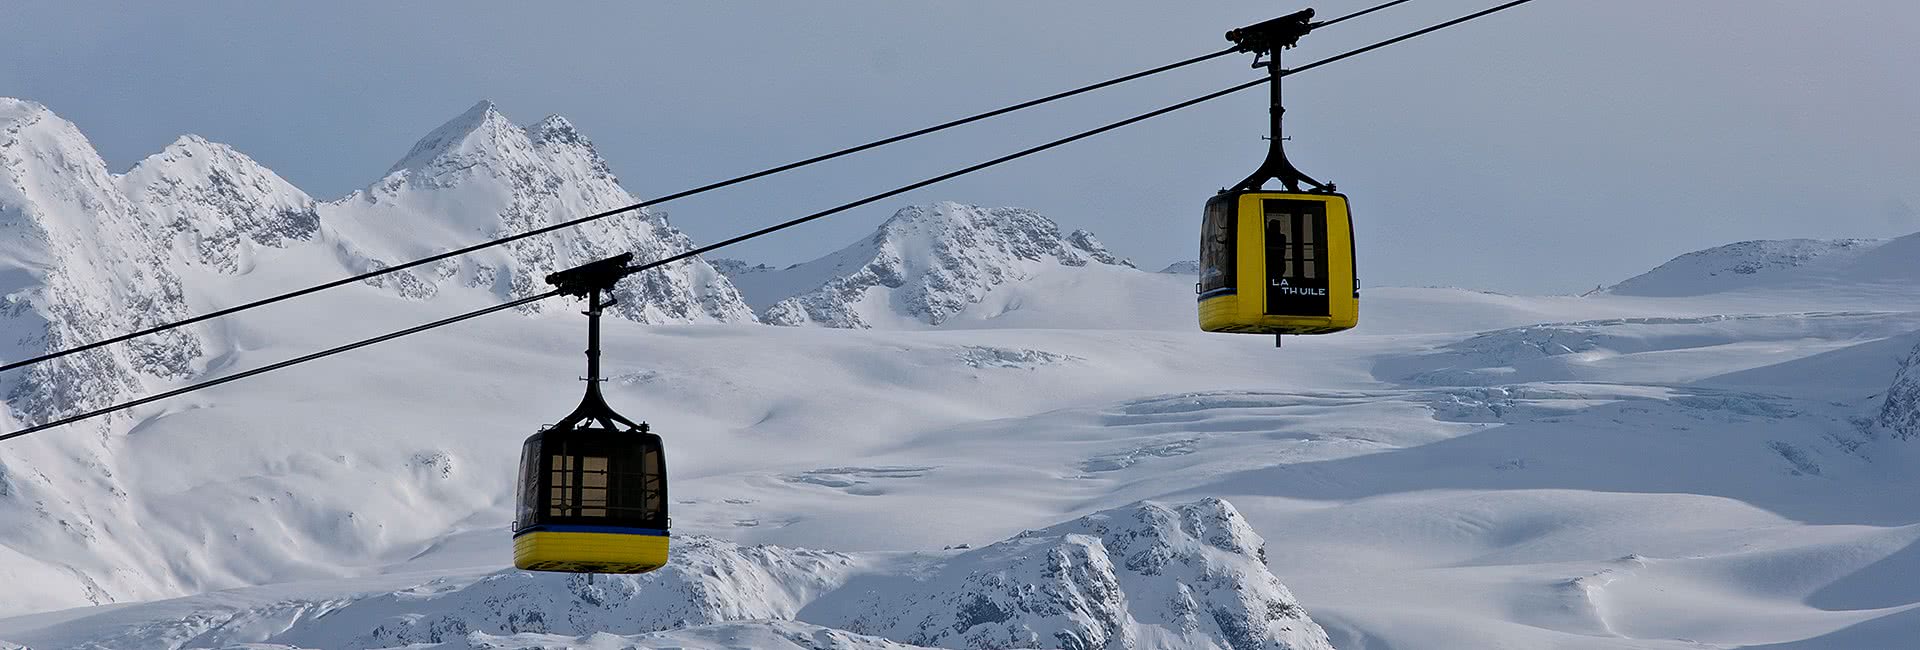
column 1556, row 146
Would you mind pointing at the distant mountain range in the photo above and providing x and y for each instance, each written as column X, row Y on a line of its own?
column 1624, row 469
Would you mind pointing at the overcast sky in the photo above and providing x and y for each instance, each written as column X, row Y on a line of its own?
column 1549, row 148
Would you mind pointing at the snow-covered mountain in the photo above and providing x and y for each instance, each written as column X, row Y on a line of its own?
column 89, row 254
column 479, row 177
column 216, row 206
column 1787, row 263
column 79, row 261
column 1625, row 470
column 923, row 266
column 1147, row 575
column 1183, row 267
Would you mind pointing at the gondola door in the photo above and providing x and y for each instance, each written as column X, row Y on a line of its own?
column 1295, row 238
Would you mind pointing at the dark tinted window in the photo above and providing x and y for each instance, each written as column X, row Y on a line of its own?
column 1295, row 238
column 528, row 500
column 619, row 481
column 1216, row 246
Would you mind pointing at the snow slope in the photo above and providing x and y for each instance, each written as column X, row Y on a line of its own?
column 1789, row 263
column 1679, row 465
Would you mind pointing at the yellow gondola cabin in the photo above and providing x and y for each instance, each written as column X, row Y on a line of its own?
column 592, row 494
column 1277, row 263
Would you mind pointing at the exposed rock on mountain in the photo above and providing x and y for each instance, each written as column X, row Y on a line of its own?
column 78, row 263
column 1901, row 410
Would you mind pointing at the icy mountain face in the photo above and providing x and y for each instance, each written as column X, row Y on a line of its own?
column 1901, row 411
column 217, row 204
column 79, row 263
column 1183, row 267
column 929, row 263
column 1150, row 575
column 1744, row 264
column 480, row 176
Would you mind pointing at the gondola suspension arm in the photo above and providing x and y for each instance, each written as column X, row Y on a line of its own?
column 590, row 281
column 1268, row 39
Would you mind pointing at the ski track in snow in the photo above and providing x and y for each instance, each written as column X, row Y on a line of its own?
column 1715, row 454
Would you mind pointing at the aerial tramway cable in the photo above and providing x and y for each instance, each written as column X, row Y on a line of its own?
column 643, row 204
column 757, row 233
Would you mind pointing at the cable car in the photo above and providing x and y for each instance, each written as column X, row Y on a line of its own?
column 1277, row 262
column 592, row 493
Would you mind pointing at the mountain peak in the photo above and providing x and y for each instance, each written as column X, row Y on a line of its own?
column 192, row 141
column 929, row 263
column 215, row 202
column 187, row 149
column 19, row 110
column 482, row 176
column 478, row 130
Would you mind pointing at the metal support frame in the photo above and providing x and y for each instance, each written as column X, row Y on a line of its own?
column 1267, row 40
column 590, row 281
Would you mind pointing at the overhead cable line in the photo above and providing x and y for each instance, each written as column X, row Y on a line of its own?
column 280, row 364
column 643, row 204
column 1403, row 37
column 1357, row 14
column 734, row 240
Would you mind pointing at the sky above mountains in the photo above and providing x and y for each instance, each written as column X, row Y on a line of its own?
column 1552, row 147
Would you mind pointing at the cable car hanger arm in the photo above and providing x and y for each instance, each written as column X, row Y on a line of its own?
column 590, row 281
column 1266, row 40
